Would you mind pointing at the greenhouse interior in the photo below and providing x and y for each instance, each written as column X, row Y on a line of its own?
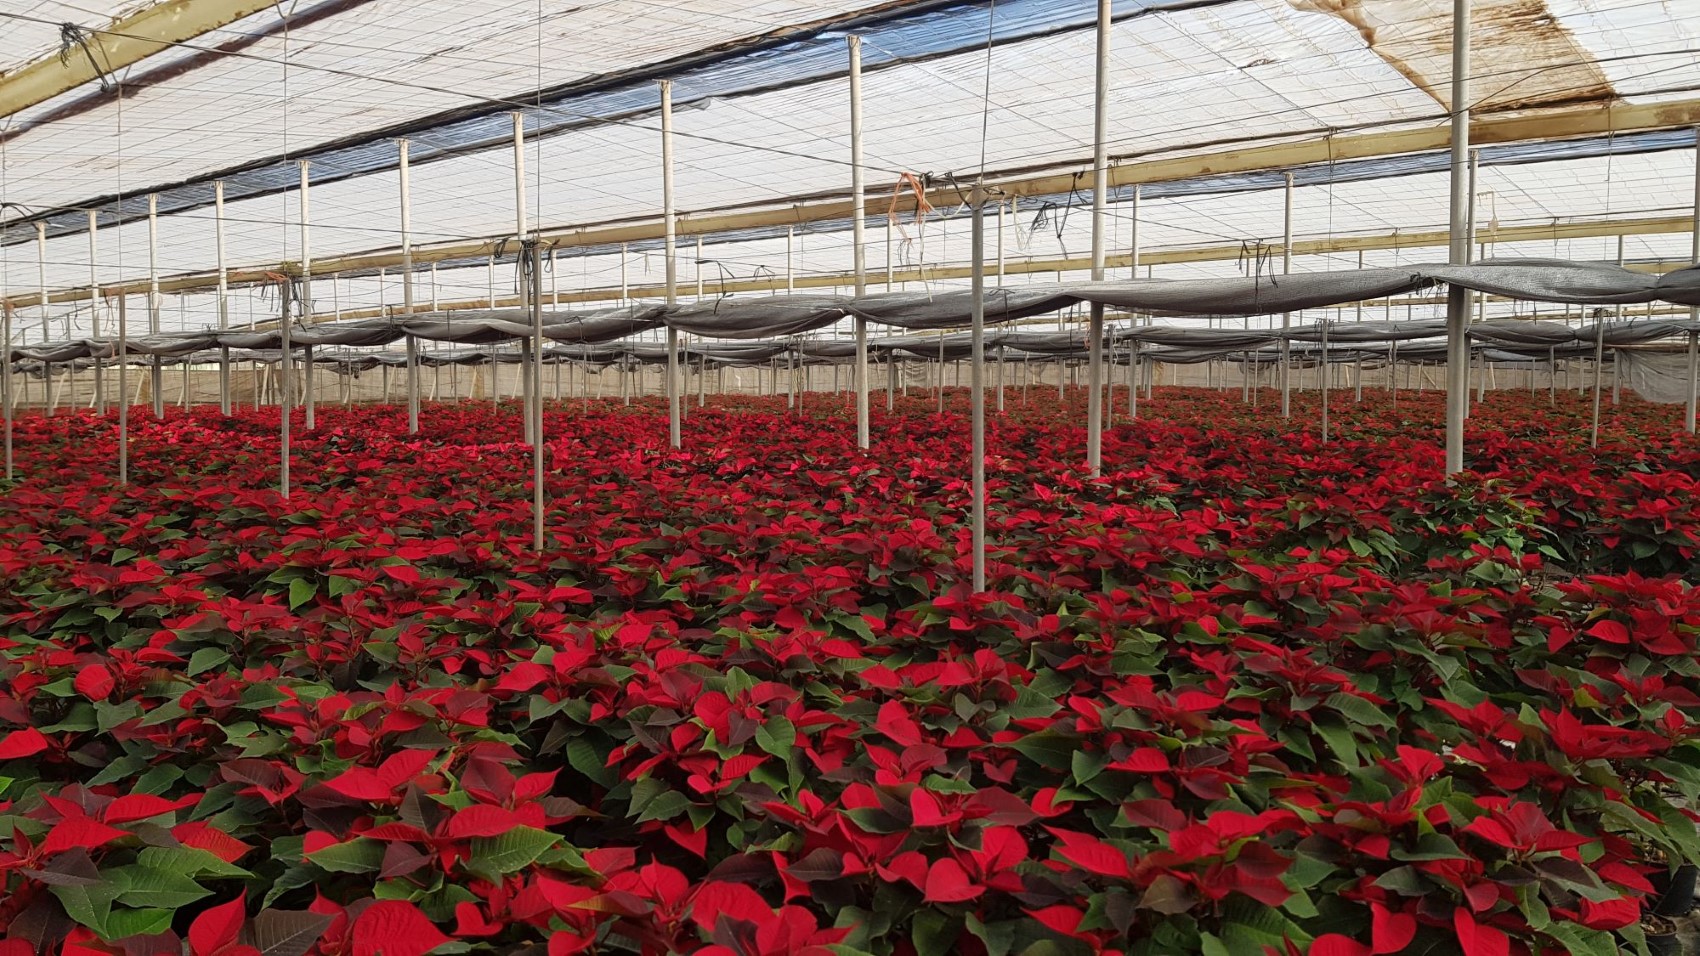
column 903, row 478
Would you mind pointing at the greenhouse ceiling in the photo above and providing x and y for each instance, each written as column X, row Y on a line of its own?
column 1582, row 110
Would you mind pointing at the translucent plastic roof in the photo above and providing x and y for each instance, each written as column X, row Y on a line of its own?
column 762, row 119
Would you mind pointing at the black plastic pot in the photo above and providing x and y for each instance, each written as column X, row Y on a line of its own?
column 1665, row 945
column 1673, row 892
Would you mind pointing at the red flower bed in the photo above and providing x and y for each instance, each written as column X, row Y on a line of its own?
column 1246, row 694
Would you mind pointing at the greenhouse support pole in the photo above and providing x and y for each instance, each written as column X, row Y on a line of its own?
column 41, row 286
column 223, row 301
column 858, row 215
column 1599, row 359
column 529, row 379
column 1286, row 374
column 6, row 383
column 1458, row 297
column 1694, row 313
column 977, row 381
column 407, row 288
column 94, row 326
column 1133, row 346
column 1693, row 380
column 156, row 383
column 536, row 301
column 304, row 305
column 1324, row 369
column 1100, row 177
column 123, row 397
column 670, row 243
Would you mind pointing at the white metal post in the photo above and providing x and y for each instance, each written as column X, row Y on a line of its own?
column 1133, row 272
column 308, row 382
column 1100, row 176
column 670, row 241
column 94, row 316
column 156, row 383
column 858, row 213
column 977, row 383
column 223, row 300
column 1287, row 317
column 1457, row 297
column 123, row 391
column 407, row 287
column 529, row 361
column 41, row 286
column 1693, row 314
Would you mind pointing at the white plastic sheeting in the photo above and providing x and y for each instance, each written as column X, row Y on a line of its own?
column 1183, row 80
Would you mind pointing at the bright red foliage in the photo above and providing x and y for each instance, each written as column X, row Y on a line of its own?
column 1248, row 693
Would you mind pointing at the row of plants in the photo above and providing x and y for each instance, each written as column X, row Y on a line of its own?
column 1246, row 693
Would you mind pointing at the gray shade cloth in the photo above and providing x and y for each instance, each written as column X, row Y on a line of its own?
column 1357, row 333
column 1513, row 333
column 1550, row 280
column 766, row 317
column 1656, row 376
column 955, row 309
column 1249, row 295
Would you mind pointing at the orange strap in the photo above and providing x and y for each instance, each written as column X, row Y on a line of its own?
column 922, row 207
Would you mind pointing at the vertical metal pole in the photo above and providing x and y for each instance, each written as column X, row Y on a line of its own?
column 156, row 383
column 94, row 319
column 536, row 295
column 306, row 302
column 1457, row 297
column 1100, row 177
column 1693, row 314
column 858, row 213
column 123, row 391
column 977, row 381
column 1287, row 317
column 223, row 301
column 529, row 395
column 625, row 290
column 407, row 287
column 6, row 371
column 41, row 287
column 1693, row 380
column 1133, row 348
column 670, row 241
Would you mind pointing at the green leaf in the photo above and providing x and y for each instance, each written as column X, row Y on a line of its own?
column 189, row 860
column 1581, row 941
column 88, row 903
column 154, row 887
column 777, row 737
column 509, row 853
column 208, row 658
column 1359, row 711
column 1085, row 766
column 1339, row 739
column 1030, row 703
column 285, row 932
column 934, row 932
column 301, row 590
column 665, row 806
column 123, row 924
column 356, row 856
column 1048, row 749
column 586, row 759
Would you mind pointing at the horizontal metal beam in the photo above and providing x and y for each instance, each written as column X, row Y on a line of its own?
column 121, row 43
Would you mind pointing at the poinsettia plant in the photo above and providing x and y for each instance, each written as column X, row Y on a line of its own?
column 1247, row 693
